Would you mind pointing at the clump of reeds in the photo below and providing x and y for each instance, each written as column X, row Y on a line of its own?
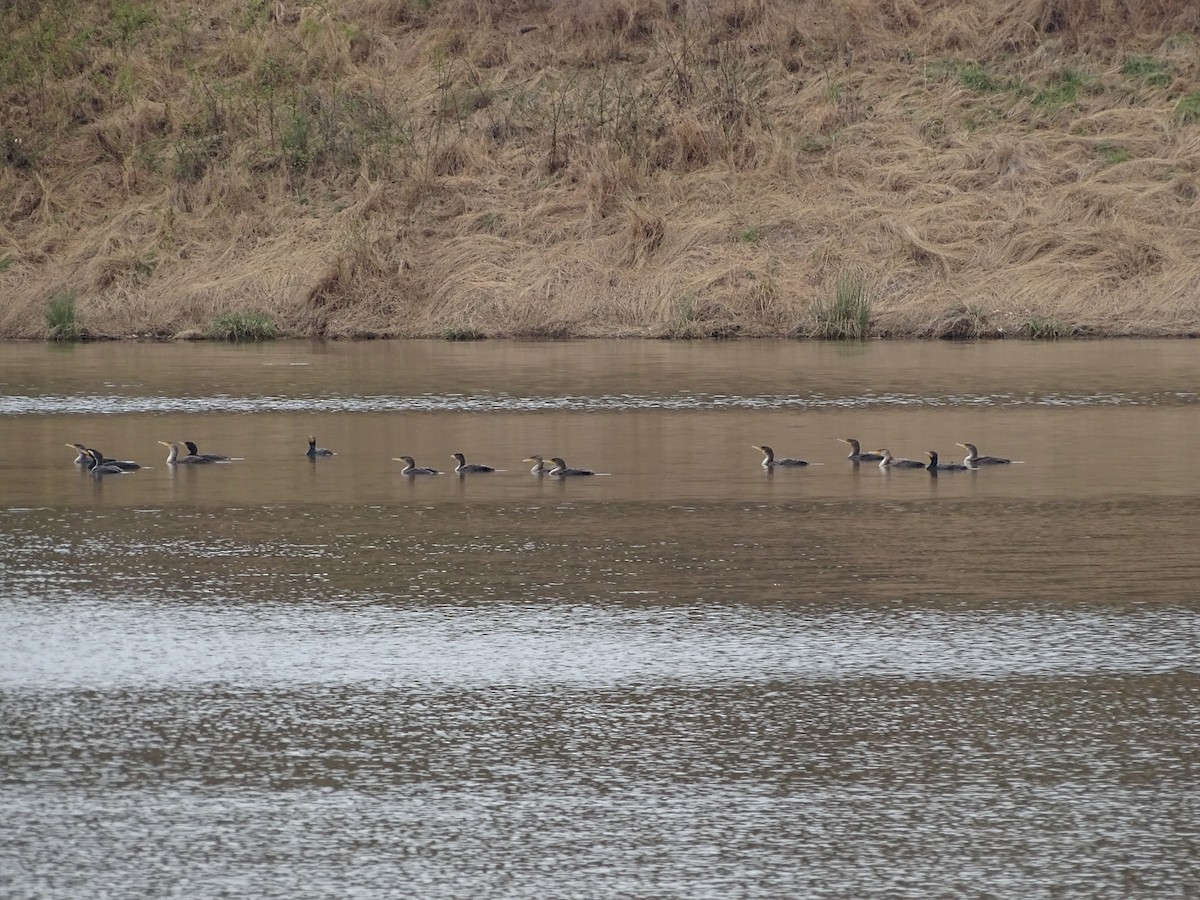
column 62, row 317
column 242, row 328
column 847, row 317
column 1043, row 328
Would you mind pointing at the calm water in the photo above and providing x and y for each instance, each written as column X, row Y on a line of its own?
column 283, row 678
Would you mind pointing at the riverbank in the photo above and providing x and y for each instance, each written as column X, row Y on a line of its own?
column 621, row 168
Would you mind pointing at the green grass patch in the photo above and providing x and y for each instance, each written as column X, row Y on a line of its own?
column 7, row 262
column 1187, row 110
column 1112, row 154
column 750, row 235
column 1041, row 328
column 242, row 327
column 1061, row 90
column 975, row 77
column 463, row 333
column 847, row 316
column 62, row 316
column 1148, row 70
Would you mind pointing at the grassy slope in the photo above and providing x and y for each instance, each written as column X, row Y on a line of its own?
column 602, row 167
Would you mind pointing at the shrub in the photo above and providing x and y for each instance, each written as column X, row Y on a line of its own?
column 240, row 327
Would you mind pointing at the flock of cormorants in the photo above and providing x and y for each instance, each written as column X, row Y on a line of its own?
column 886, row 461
column 99, row 464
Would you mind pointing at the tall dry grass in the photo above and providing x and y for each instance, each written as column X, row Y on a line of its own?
column 675, row 168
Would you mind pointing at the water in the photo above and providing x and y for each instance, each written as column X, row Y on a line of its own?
column 287, row 678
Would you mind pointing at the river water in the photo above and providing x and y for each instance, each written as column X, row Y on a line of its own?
column 287, row 678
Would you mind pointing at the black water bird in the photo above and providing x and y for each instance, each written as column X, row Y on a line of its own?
column 211, row 457
column 897, row 462
column 84, row 458
column 173, row 457
column 314, row 451
column 464, row 466
column 935, row 466
column 770, row 460
column 974, row 459
column 561, row 468
column 100, row 468
column 411, row 468
column 857, row 455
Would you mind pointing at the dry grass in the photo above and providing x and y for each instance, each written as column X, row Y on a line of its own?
column 674, row 168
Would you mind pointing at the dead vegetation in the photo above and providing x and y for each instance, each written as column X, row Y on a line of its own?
column 548, row 168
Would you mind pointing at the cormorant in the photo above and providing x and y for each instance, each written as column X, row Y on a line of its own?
column 411, row 468
column 770, row 460
column 561, row 468
column 464, row 466
column 315, row 451
column 897, row 462
column 974, row 459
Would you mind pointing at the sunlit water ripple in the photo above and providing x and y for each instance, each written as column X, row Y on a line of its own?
column 103, row 644
column 76, row 404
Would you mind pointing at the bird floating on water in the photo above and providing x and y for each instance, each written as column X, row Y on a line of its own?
column 173, row 457
column 193, row 450
column 84, row 458
column 934, row 466
column 100, row 468
column 464, row 466
column 857, row 455
column 974, row 459
column 897, row 462
column 411, row 468
column 314, row 451
column 770, row 460
column 540, row 467
column 561, row 468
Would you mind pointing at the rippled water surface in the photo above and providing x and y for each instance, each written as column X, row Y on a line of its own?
column 286, row 678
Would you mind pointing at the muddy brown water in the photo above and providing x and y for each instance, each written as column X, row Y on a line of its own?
column 285, row 678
